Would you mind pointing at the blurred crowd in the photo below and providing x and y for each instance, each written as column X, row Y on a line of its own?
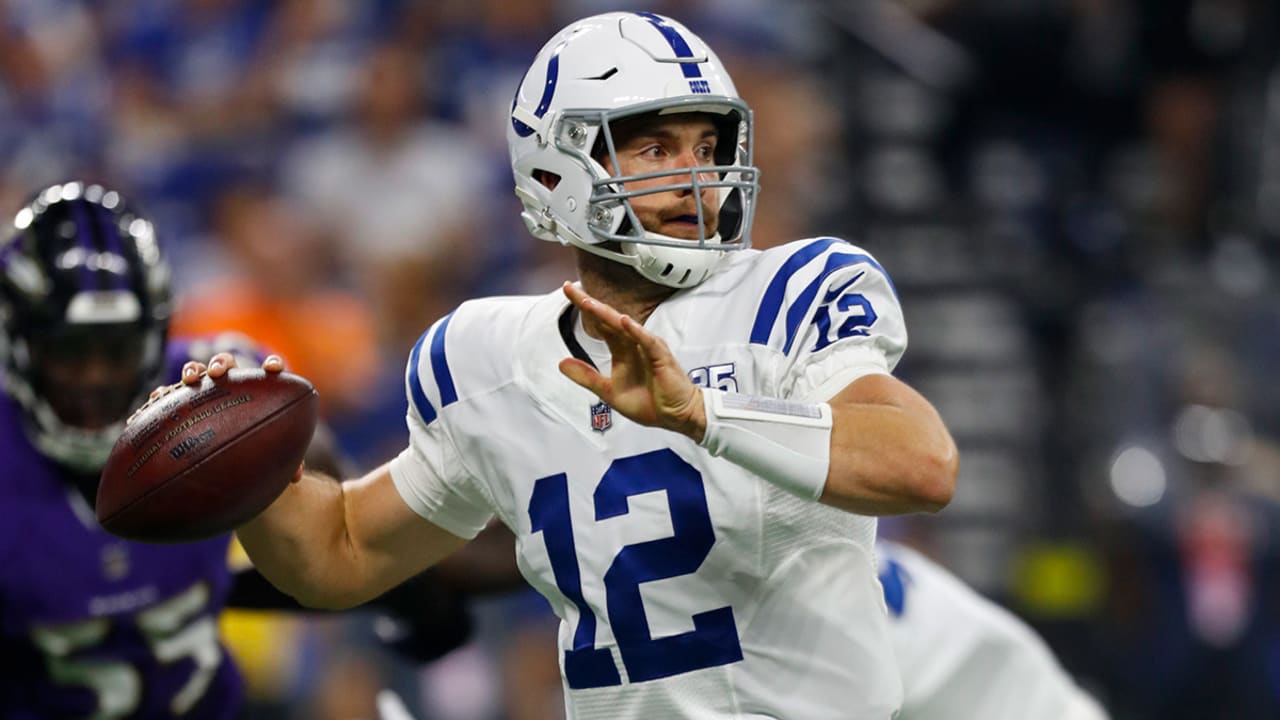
column 1078, row 200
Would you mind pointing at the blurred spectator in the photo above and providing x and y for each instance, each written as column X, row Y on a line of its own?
column 397, row 195
column 800, row 188
column 312, row 55
column 279, row 284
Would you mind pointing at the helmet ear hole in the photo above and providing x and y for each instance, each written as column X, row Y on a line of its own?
column 731, row 216
column 548, row 179
column 728, row 130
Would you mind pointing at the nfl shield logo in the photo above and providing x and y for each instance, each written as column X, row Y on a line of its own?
column 601, row 417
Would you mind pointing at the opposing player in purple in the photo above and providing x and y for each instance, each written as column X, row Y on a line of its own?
column 92, row 626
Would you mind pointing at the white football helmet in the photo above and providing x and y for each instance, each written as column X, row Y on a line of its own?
column 602, row 69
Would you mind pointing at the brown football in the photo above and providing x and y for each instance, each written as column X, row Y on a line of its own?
column 203, row 459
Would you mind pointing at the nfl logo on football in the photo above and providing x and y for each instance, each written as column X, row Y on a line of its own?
column 601, row 417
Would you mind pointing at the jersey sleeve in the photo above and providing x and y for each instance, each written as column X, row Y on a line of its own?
column 429, row 474
column 832, row 314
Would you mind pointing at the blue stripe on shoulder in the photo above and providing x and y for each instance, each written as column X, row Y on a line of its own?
column 440, row 364
column 804, row 301
column 420, row 401
column 771, row 304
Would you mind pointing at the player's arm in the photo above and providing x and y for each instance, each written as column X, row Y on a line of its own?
column 336, row 544
column 876, row 448
column 339, row 544
column 890, row 452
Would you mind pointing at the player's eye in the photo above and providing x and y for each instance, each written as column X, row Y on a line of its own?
column 653, row 152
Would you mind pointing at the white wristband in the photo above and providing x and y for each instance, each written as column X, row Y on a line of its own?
column 787, row 443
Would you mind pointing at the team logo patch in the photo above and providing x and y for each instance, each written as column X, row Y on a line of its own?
column 601, row 417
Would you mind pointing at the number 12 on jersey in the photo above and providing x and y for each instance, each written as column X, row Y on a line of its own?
column 714, row 639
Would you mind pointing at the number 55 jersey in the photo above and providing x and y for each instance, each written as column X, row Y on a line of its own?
column 686, row 586
column 93, row 626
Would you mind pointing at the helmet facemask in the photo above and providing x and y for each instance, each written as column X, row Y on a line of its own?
column 615, row 229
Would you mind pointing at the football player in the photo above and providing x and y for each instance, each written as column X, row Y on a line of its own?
column 92, row 625
column 691, row 446
column 963, row 656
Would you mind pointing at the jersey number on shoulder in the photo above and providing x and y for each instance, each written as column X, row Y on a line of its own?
column 714, row 639
column 851, row 313
column 175, row 629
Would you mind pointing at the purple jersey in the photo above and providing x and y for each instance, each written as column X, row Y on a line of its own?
column 95, row 626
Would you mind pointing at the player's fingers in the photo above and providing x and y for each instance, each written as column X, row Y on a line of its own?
column 650, row 345
column 610, row 319
column 620, row 346
column 586, row 376
column 651, row 348
column 191, row 373
column 220, row 364
column 273, row 363
column 574, row 292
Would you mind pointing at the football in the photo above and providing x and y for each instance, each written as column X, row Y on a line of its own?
column 203, row 459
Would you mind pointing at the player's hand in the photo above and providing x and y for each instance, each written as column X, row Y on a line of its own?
column 219, row 365
column 645, row 382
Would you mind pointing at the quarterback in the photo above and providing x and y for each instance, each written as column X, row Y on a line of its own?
column 690, row 445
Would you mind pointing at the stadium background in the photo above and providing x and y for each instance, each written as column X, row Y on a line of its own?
column 1079, row 202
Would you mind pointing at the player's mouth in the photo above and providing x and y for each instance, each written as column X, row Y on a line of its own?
column 685, row 226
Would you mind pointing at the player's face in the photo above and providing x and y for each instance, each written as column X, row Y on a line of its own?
column 89, row 377
column 652, row 143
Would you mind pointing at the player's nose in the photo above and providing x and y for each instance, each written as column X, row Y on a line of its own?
column 688, row 160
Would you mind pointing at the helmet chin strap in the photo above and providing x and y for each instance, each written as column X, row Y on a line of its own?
column 663, row 264
column 672, row 266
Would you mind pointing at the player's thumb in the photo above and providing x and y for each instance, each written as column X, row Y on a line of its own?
column 584, row 375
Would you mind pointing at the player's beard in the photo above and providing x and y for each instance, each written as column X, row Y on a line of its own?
column 621, row 278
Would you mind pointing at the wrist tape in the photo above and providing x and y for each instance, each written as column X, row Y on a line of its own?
column 787, row 443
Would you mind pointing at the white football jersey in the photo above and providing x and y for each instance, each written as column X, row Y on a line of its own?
column 962, row 656
column 686, row 586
